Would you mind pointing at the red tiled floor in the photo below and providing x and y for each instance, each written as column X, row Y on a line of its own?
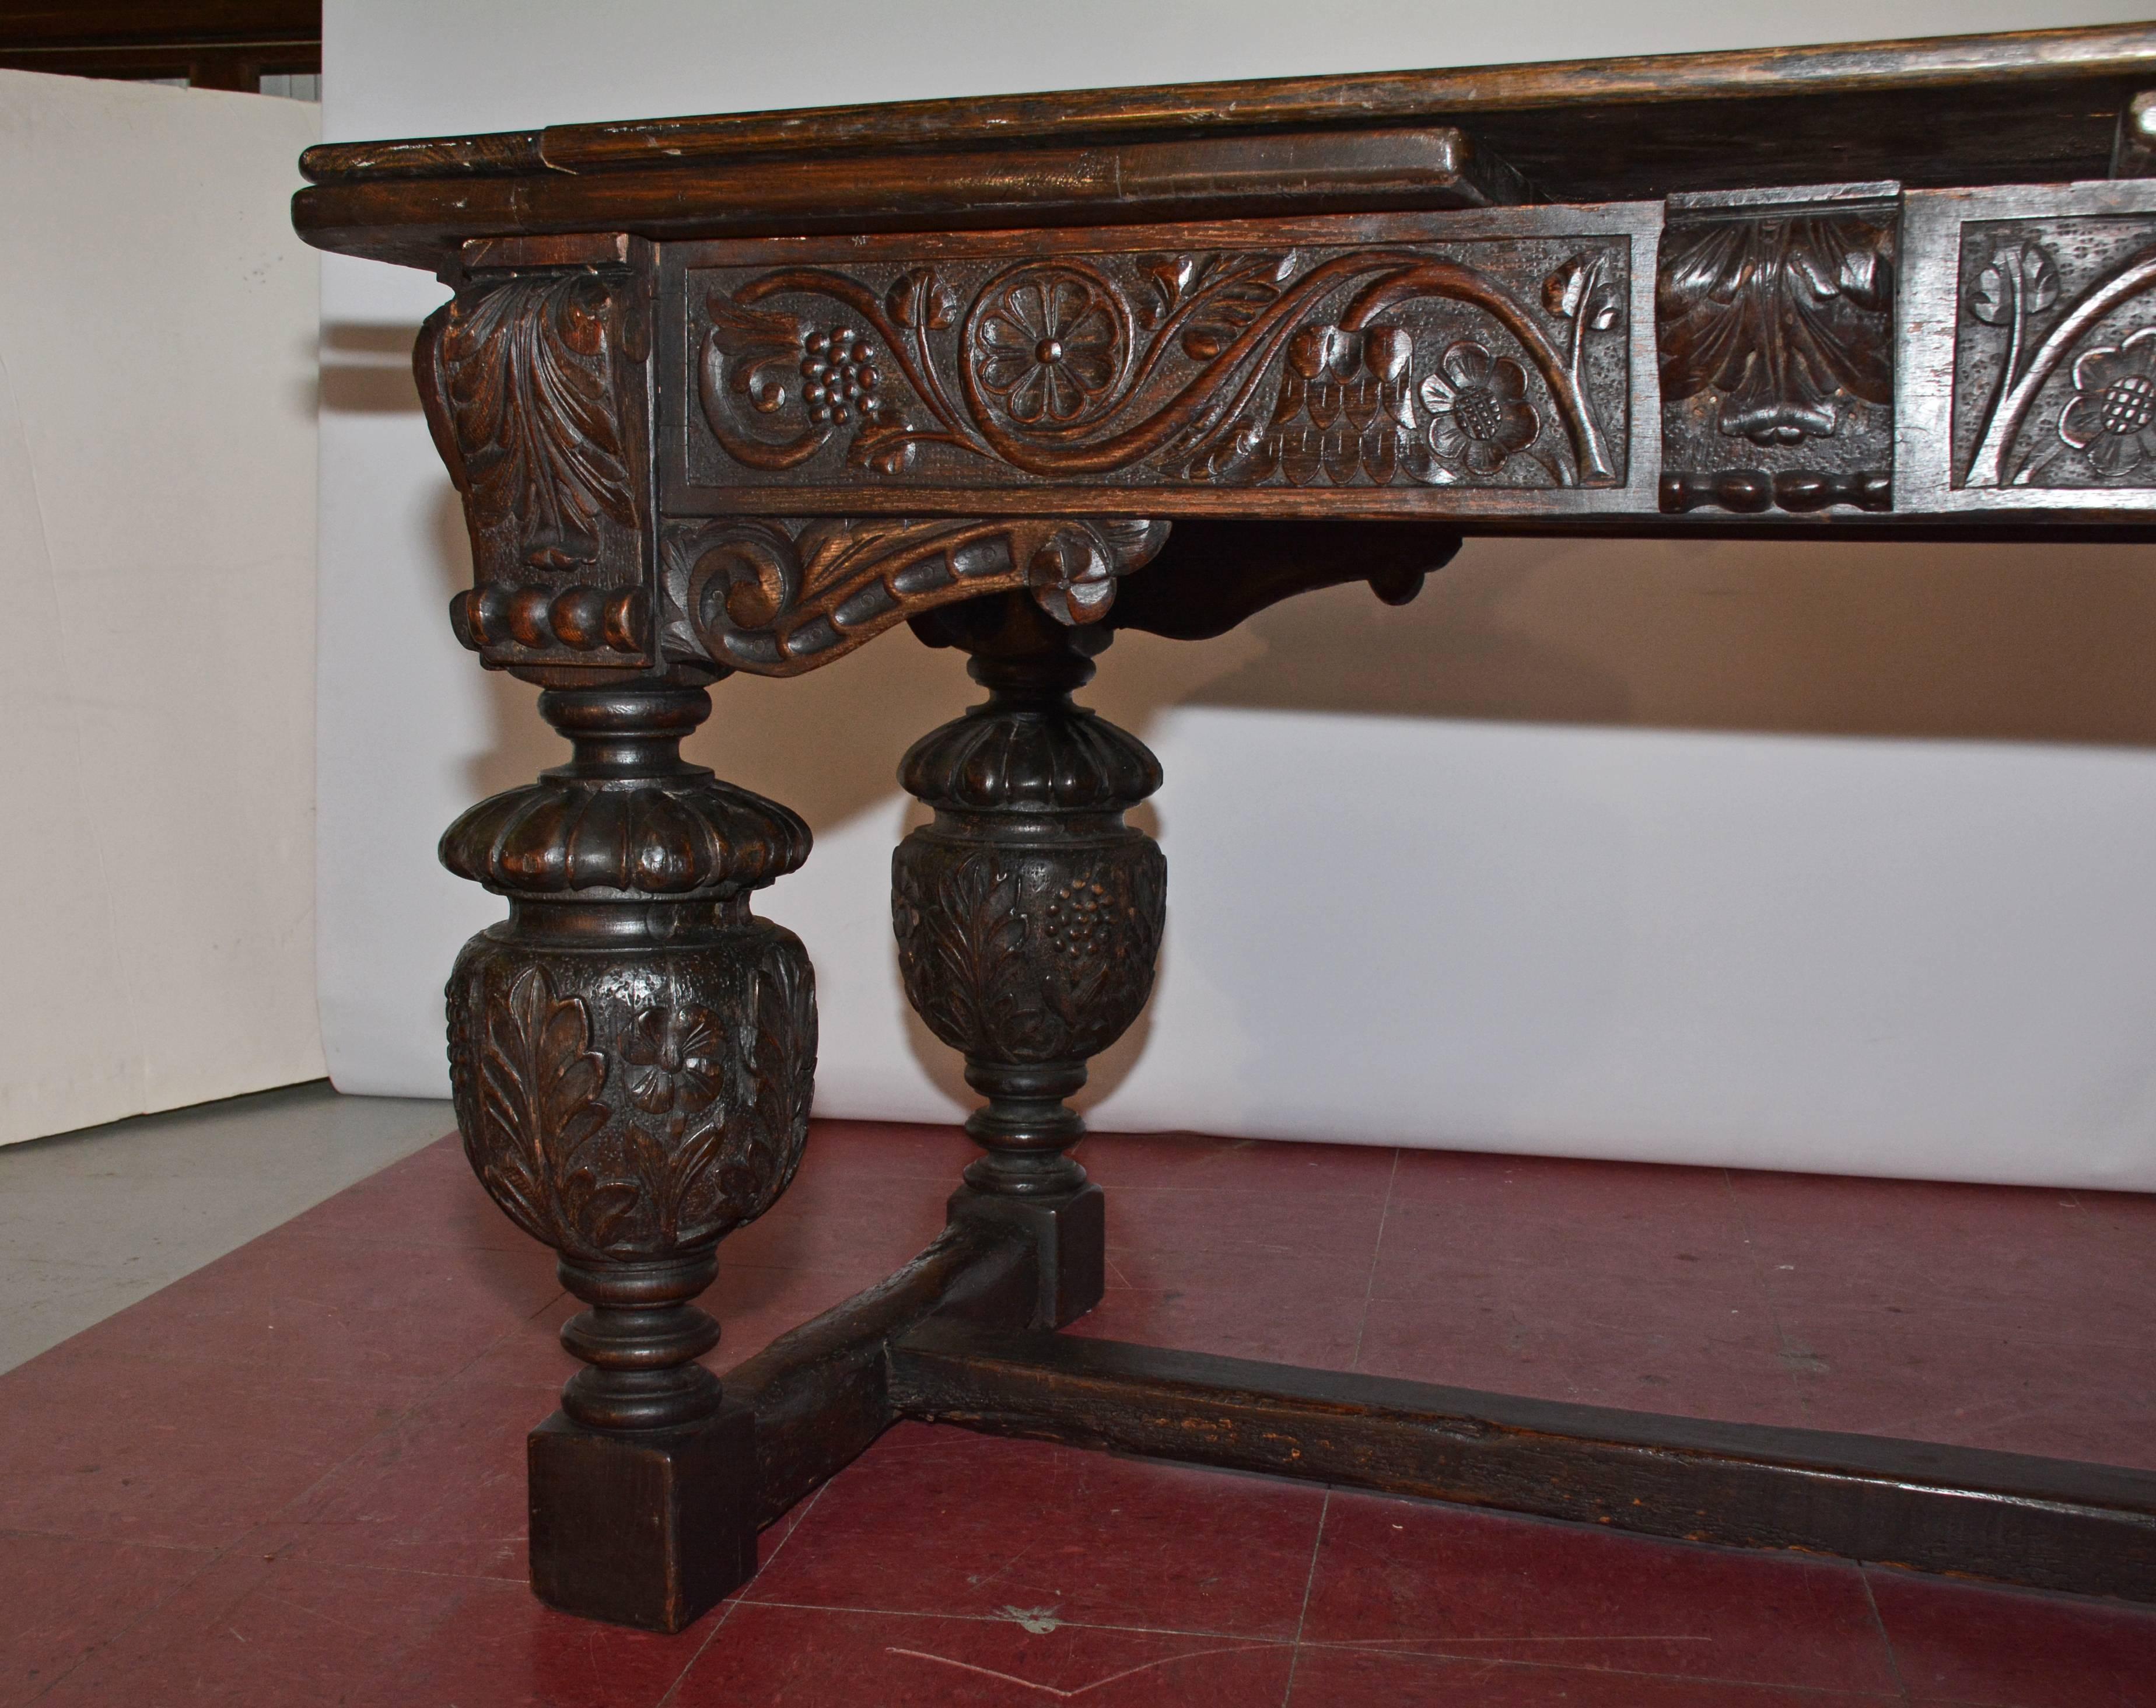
column 177, row 1452
column 1343, row 1678
column 1174, row 1239
column 296, row 1478
column 1126, row 1162
column 1415, row 1578
column 60, row 1598
column 266, row 1626
column 344, row 1309
column 1260, row 1311
column 939, row 1520
column 1880, row 1373
column 431, row 1198
column 1957, row 1644
column 784, row 1655
column 1731, row 1367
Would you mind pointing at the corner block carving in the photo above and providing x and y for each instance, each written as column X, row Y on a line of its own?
column 534, row 385
column 1773, row 321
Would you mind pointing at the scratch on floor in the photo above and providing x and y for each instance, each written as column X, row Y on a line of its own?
column 1083, row 1689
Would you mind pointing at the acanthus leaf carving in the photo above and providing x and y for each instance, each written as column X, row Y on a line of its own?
column 961, row 938
column 539, row 1108
column 1778, row 313
column 525, row 396
column 1774, row 328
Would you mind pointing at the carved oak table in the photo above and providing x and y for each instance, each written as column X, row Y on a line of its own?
column 741, row 393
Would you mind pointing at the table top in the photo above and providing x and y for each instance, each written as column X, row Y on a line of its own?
column 2033, row 107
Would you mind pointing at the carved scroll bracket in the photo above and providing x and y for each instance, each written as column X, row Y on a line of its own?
column 779, row 598
column 534, row 382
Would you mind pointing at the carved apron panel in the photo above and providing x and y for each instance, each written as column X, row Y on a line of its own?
column 1494, row 363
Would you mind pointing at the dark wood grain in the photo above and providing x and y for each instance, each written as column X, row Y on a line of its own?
column 821, row 1393
column 2049, row 1524
column 1028, row 916
column 1213, row 574
column 2021, row 108
column 212, row 43
column 2016, row 60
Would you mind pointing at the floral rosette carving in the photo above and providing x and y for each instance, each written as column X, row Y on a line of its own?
column 2050, row 309
column 1048, row 346
column 2111, row 418
column 1479, row 415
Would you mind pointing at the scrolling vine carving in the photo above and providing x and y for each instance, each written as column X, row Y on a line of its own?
column 1296, row 366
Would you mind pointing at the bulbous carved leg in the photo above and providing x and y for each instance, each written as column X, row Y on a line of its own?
column 631, row 1054
column 1028, row 916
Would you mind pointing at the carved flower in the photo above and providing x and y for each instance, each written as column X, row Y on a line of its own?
column 837, row 377
column 2112, row 417
column 1479, row 415
column 672, row 1055
column 1048, row 347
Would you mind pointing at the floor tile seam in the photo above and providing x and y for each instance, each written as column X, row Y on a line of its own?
column 673, row 1690
column 142, row 1614
column 1369, row 1291
column 1798, row 1394
column 1209, row 1632
column 1382, row 1647
column 1316, row 1551
column 1886, row 1640
column 22, row 1533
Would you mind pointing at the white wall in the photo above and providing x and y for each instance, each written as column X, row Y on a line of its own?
column 156, row 559
column 1798, row 856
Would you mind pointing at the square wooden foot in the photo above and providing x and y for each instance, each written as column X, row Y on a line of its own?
column 650, row 1532
column 1069, row 1231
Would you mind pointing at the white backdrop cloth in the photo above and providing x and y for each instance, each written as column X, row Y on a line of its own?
column 157, row 560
